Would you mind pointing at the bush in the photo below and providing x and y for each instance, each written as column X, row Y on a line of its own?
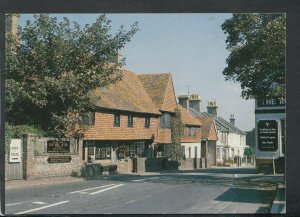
column 17, row 131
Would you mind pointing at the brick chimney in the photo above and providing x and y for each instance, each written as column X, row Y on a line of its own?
column 232, row 119
column 183, row 100
column 194, row 102
column 212, row 108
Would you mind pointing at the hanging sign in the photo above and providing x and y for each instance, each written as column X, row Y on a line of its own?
column 267, row 135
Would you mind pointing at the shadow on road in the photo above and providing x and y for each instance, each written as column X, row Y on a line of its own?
column 243, row 195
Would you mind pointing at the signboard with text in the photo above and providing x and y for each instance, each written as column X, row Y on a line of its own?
column 271, row 102
column 54, row 146
column 59, row 159
column 267, row 135
column 15, row 151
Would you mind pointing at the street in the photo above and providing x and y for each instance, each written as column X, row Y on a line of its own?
column 202, row 191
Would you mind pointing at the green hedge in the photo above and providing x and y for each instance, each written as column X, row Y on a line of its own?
column 16, row 132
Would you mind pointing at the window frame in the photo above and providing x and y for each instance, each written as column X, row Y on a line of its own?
column 147, row 122
column 117, row 116
column 130, row 121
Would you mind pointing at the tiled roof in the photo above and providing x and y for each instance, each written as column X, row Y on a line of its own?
column 207, row 122
column 156, row 86
column 128, row 94
column 221, row 123
column 187, row 118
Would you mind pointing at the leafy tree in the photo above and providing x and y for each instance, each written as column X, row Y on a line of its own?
column 257, row 54
column 53, row 67
column 249, row 152
column 176, row 125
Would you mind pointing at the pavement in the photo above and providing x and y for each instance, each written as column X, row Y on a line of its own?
column 278, row 205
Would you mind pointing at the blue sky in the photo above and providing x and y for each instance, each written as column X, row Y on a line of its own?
column 190, row 46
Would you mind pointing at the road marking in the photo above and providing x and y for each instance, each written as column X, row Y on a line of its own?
column 43, row 207
column 279, row 202
column 106, row 189
column 12, row 204
column 139, row 180
column 39, row 202
column 90, row 189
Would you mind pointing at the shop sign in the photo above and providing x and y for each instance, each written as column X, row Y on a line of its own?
column 267, row 133
column 55, row 146
column 59, row 159
column 271, row 102
column 15, row 151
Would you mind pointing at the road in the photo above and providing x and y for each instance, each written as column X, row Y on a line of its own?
column 201, row 191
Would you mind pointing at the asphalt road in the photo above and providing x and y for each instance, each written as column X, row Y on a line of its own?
column 198, row 192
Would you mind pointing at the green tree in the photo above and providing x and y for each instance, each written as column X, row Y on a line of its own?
column 257, row 54
column 176, row 125
column 248, row 152
column 53, row 67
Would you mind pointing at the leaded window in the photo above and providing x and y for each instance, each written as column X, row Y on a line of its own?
column 137, row 148
column 103, row 152
column 130, row 121
column 165, row 120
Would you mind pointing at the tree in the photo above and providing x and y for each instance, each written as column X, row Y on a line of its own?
column 53, row 67
column 257, row 54
column 248, row 152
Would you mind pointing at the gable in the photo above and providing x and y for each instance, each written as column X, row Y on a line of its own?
column 213, row 133
column 169, row 103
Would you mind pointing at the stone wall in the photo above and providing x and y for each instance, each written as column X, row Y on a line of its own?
column 44, row 169
column 124, row 166
column 187, row 164
column 35, row 159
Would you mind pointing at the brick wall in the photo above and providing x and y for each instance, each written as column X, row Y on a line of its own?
column 187, row 164
column 104, row 128
column 186, row 138
column 164, row 136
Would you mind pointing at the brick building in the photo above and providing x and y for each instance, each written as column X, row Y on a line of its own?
column 191, row 105
column 132, row 119
column 161, row 90
column 190, row 134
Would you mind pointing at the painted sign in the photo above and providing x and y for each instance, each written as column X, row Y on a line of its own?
column 15, row 151
column 59, row 159
column 267, row 135
column 54, row 146
column 271, row 102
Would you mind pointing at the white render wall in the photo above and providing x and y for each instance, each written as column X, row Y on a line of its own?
column 236, row 142
column 192, row 148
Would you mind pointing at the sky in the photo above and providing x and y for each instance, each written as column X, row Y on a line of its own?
column 190, row 46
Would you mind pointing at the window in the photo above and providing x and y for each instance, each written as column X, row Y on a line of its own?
column 147, row 122
column 189, row 131
column 194, row 131
column 130, row 121
column 182, row 131
column 102, row 152
column 165, row 120
column 137, row 148
column 117, row 120
column 164, row 150
column 88, row 118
